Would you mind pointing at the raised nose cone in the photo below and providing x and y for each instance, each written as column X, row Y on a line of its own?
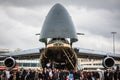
column 58, row 24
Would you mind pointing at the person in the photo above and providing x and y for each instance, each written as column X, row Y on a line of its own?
column 89, row 76
column 45, row 74
column 70, row 76
column 11, row 76
column 32, row 74
column 97, row 75
column 48, row 64
column 111, row 74
column 61, row 73
column 56, row 74
column 50, row 74
column 36, row 75
column 3, row 76
column 76, row 75
column 7, row 72
column 27, row 77
column 52, row 64
column 40, row 75
column 18, row 76
column 106, row 75
column 117, row 74
column 23, row 73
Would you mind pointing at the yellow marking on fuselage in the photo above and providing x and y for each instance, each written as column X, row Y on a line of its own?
column 58, row 44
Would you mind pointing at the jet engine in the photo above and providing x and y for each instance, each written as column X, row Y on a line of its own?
column 108, row 62
column 10, row 62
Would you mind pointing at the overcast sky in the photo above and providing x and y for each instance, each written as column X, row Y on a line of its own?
column 20, row 20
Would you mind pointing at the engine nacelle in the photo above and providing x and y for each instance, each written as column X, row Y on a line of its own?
column 10, row 62
column 108, row 62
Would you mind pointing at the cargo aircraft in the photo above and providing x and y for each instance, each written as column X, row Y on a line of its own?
column 58, row 34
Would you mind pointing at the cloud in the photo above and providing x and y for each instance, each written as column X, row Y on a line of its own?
column 26, row 3
column 17, row 30
column 95, row 21
column 99, row 4
column 105, row 4
column 24, row 15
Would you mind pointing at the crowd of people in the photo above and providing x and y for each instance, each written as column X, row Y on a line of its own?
column 55, row 74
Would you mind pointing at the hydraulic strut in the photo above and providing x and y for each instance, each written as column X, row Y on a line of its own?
column 68, row 58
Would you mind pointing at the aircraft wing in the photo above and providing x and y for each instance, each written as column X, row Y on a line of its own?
column 23, row 54
column 81, row 53
column 94, row 54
